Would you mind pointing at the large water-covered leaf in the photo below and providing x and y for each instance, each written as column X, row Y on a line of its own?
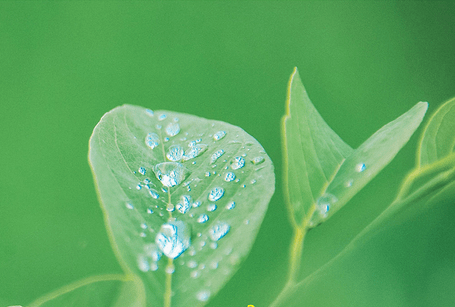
column 183, row 198
column 96, row 291
column 322, row 172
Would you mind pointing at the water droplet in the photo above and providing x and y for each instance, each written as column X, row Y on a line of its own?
column 154, row 194
column 170, row 173
column 172, row 129
column 194, row 274
column 175, row 153
column 129, row 206
column 201, row 266
column 164, row 190
column 213, row 245
column 203, row 295
column 324, row 204
column 170, row 268
column 216, row 155
column 216, row 194
column 194, row 151
column 152, row 140
column 238, row 163
column 149, row 211
column 173, row 239
column 349, row 183
column 202, row 218
column 230, row 205
column 153, row 266
column 138, row 187
column 158, row 127
column 219, row 230
column 176, row 119
column 196, row 204
column 170, row 207
column 360, row 167
column 149, row 112
column 162, row 116
column 144, row 226
column 152, row 251
column 230, row 176
column 143, row 263
column 258, row 160
column 211, row 207
column 219, row 135
column 142, row 235
column 185, row 204
column 214, row 265
column 246, row 222
column 192, row 264
column 207, row 174
column 253, row 181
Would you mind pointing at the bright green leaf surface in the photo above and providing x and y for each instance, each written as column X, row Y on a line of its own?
column 373, row 155
column 139, row 195
column 97, row 291
column 438, row 139
column 322, row 172
column 312, row 151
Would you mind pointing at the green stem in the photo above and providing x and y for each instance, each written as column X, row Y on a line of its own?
column 295, row 256
column 168, row 289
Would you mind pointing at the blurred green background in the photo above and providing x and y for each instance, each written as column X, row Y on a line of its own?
column 63, row 65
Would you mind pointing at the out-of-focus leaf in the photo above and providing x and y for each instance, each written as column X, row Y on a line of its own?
column 97, row 291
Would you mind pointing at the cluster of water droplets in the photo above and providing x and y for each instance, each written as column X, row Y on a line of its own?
column 177, row 235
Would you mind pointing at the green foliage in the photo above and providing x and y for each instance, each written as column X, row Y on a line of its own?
column 158, row 174
column 139, row 194
column 96, row 291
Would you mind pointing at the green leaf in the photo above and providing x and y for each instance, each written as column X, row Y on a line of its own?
column 96, row 291
column 322, row 173
column 159, row 176
column 312, row 152
column 438, row 140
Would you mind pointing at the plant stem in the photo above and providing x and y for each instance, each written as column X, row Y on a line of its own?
column 168, row 289
column 295, row 256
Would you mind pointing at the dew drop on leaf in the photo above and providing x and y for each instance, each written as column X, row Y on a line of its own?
column 216, row 194
column 202, row 218
column 129, row 206
column 203, row 296
column 238, row 163
column 154, row 194
column 360, row 167
column 152, row 140
column 172, row 129
column 219, row 230
column 185, row 204
column 258, row 160
column 175, row 153
column 173, row 239
column 170, row 174
column 216, row 155
column 230, row 176
column 219, row 135
column 211, row 207
column 230, row 205
column 194, row 151
column 324, row 203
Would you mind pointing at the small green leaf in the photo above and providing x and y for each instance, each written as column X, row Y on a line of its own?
column 97, row 291
column 183, row 199
column 372, row 156
column 312, row 152
column 322, row 173
column 438, row 140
